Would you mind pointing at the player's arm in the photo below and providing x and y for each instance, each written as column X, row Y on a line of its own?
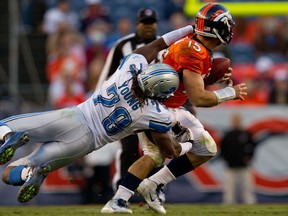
column 168, row 146
column 194, row 85
column 199, row 97
column 151, row 50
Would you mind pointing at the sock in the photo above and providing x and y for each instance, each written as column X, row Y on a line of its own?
column 155, row 170
column 24, row 173
column 180, row 166
column 128, row 186
column 15, row 176
column 4, row 129
column 163, row 176
column 123, row 193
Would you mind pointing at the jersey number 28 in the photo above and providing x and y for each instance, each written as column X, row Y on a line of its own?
column 119, row 118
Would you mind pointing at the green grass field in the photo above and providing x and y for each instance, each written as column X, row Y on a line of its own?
column 172, row 209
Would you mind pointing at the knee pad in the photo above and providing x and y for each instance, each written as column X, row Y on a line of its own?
column 150, row 149
column 204, row 145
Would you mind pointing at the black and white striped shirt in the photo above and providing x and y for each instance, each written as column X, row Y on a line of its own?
column 124, row 46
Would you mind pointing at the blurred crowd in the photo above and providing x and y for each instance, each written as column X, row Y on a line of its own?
column 81, row 33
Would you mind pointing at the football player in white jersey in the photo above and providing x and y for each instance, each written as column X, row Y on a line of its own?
column 128, row 102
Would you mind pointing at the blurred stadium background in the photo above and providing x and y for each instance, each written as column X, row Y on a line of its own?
column 258, row 53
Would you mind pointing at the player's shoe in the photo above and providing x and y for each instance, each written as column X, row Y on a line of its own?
column 12, row 142
column 32, row 185
column 150, row 191
column 162, row 195
column 116, row 206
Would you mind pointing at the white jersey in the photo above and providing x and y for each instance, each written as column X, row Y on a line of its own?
column 112, row 113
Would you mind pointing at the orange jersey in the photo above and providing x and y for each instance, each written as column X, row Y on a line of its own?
column 187, row 53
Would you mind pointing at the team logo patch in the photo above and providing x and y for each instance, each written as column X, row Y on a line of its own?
column 148, row 12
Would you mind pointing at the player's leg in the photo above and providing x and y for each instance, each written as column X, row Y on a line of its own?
column 13, row 135
column 70, row 143
column 33, row 169
column 10, row 142
column 204, row 148
column 129, row 154
column 40, row 127
column 136, row 173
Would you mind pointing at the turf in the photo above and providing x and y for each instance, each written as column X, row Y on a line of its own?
column 172, row 209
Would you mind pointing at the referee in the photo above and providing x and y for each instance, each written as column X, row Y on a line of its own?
column 146, row 30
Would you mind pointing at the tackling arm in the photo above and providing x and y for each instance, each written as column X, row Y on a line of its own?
column 151, row 50
column 169, row 146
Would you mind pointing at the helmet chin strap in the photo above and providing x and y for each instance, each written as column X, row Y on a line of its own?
column 219, row 37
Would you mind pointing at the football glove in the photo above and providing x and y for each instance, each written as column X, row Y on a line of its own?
column 182, row 133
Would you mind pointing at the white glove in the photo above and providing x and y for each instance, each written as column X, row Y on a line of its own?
column 150, row 149
column 181, row 133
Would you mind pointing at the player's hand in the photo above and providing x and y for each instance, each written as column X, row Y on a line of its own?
column 240, row 90
column 230, row 82
column 181, row 133
column 227, row 76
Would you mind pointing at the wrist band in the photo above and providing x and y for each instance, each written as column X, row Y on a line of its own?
column 175, row 35
column 225, row 94
column 185, row 147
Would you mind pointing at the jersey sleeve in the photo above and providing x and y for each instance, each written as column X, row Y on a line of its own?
column 187, row 56
column 138, row 60
column 160, row 126
column 158, row 117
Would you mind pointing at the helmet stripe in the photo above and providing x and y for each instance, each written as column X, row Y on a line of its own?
column 161, row 72
column 201, row 17
column 200, row 24
column 206, row 9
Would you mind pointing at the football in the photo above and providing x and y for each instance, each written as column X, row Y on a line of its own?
column 218, row 70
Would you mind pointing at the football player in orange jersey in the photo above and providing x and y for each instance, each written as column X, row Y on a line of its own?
column 191, row 57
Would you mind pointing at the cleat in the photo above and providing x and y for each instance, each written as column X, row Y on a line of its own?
column 116, row 206
column 32, row 185
column 12, row 142
column 161, row 194
column 150, row 191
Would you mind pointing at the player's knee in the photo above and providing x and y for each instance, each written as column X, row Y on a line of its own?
column 205, row 145
column 157, row 158
column 150, row 149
